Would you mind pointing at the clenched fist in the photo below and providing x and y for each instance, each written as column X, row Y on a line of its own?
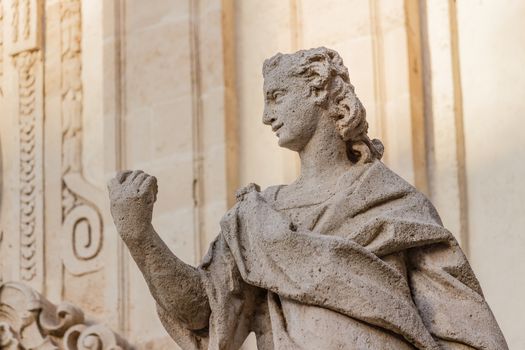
column 132, row 195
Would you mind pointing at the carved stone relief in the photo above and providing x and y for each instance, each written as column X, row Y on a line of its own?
column 29, row 321
column 24, row 47
column 82, row 226
column 30, row 225
column 82, row 222
column 25, row 20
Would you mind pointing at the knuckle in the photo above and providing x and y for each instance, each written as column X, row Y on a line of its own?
column 151, row 183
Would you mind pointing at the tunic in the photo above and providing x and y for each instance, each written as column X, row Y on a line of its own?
column 371, row 267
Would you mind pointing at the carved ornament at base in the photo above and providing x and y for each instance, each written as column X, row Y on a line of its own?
column 29, row 321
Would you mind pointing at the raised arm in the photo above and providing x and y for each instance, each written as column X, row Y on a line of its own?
column 177, row 287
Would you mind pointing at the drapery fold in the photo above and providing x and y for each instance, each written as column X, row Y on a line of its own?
column 375, row 252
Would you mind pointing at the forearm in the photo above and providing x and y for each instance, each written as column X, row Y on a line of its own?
column 177, row 287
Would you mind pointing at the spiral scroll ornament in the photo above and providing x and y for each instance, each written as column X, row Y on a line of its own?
column 82, row 225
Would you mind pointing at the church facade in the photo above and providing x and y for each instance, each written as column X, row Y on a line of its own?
column 88, row 88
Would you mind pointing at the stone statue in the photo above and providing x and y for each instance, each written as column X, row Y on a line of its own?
column 349, row 256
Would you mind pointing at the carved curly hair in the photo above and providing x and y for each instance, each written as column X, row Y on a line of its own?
column 325, row 72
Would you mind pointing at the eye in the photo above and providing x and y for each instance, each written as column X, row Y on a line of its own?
column 277, row 95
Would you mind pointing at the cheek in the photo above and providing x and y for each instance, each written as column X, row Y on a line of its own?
column 305, row 117
column 298, row 115
column 292, row 119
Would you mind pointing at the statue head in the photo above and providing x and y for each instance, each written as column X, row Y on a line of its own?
column 303, row 87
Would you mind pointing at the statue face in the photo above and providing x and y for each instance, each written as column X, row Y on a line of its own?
column 292, row 114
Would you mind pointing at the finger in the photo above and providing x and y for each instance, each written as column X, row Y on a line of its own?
column 140, row 179
column 122, row 175
column 155, row 189
column 149, row 183
column 239, row 194
column 134, row 175
column 150, row 186
column 253, row 187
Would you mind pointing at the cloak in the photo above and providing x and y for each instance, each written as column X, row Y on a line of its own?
column 371, row 267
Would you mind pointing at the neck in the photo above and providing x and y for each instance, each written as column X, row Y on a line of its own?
column 324, row 157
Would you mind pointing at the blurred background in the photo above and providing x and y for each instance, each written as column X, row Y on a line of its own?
column 174, row 87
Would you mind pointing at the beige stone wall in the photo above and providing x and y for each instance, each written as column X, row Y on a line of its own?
column 372, row 40
column 493, row 110
column 166, row 67
column 175, row 88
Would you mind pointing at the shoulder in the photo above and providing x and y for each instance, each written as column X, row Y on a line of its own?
column 270, row 193
column 380, row 188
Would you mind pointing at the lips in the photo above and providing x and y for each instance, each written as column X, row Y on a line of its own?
column 276, row 127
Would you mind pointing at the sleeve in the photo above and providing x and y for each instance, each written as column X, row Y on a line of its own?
column 450, row 300
column 442, row 284
column 232, row 303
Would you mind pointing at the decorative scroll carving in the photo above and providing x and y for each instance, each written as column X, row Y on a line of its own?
column 29, row 321
column 82, row 222
column 8, row 339
column 25, row 63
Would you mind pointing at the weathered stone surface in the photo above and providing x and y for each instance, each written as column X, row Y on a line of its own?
column 348, row 256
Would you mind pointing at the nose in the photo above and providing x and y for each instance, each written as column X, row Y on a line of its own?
column 268, row 116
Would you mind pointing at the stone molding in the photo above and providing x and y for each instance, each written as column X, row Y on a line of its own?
column 30, row 321
column 24, row 46
column 29, row 123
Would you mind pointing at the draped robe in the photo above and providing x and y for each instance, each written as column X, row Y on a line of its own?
column 371, row 267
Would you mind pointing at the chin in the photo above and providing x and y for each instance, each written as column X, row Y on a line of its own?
column 288, row 143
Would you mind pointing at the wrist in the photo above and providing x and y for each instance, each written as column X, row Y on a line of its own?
column 135, row 232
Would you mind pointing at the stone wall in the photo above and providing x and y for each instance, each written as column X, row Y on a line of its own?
column 175, row 88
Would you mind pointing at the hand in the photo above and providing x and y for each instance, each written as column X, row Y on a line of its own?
column 132, row 195
column 243, row 191
column 245, row 197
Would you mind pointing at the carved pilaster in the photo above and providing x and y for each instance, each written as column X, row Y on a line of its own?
column 29, row 321
column 24, row 46
column 30, row 132
column 82, row 228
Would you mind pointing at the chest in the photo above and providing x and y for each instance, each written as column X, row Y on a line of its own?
column 303, row 210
